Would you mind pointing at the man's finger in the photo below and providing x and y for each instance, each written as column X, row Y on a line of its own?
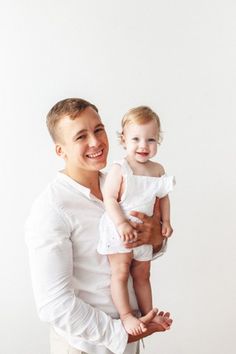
column 140, row 227
column 134, row 224
column 139, row 215
column 133, row 244
column 166, row 314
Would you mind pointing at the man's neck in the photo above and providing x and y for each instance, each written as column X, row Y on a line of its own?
column 88, row 179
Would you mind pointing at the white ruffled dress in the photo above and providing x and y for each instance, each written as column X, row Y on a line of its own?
column 140, row 195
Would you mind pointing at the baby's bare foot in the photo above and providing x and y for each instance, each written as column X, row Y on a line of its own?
column 133, row 325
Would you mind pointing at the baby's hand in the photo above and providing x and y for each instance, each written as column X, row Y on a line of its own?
column 166, row 229
column 127, row 232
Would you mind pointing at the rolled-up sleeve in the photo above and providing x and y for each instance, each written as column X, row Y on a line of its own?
column 51, row 264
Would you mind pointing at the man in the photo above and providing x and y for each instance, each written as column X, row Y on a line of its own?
column 71, row 281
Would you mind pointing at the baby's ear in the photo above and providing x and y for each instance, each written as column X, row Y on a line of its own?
column 122, row 140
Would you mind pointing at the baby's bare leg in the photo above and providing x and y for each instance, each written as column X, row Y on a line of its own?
column 140, row 271
column 120, row 268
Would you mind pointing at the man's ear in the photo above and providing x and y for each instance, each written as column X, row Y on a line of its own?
column 60, row 151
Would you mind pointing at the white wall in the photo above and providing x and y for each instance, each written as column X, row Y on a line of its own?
column 176, row 56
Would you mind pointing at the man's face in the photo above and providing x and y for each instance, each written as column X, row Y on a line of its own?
column 84, row 143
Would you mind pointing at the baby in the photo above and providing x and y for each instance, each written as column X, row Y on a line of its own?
column 133, row 184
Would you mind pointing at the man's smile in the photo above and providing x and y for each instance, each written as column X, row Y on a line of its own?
column 95, row 155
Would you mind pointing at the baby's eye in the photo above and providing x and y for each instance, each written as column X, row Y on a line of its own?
column 135, row 138
column 151, row 140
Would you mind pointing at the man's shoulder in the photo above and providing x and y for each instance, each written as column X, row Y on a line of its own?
column 50, row 196
column 46, row 214
column 48, row 206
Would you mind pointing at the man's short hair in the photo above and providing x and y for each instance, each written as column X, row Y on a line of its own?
column 69, row 107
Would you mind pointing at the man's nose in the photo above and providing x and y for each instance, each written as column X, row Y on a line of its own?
column 93, row 140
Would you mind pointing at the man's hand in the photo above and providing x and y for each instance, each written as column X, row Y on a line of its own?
column 149, row 231
column 164, row 324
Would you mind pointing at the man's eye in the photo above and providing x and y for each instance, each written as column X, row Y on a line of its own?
column 80, row 137
column 99, row 130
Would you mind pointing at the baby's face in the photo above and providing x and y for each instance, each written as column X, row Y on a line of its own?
column 140, row 141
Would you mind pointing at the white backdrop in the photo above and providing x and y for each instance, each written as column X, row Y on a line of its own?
column 176, row 56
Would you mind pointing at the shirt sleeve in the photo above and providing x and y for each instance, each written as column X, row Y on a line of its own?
column 51, row 265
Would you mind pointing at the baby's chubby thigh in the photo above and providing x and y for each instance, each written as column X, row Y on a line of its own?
column 140, row 268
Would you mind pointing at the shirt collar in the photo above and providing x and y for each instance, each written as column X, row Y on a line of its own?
column 82, row 189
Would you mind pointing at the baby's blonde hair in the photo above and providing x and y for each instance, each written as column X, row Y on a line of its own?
column 140, row 115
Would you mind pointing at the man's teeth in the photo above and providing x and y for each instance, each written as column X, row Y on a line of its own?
column 99, row 153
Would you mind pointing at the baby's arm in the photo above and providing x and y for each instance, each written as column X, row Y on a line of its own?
column 165, row 216
column 166, row 228
column 111, row 193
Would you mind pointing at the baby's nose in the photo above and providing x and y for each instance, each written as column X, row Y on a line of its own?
column 143, row 144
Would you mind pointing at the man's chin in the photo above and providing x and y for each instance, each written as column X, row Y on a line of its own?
column 98, row 165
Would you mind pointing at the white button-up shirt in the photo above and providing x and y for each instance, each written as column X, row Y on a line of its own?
column 71, row 281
